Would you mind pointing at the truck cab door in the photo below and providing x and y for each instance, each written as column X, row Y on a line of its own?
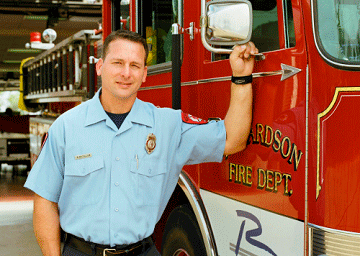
column 268, row 178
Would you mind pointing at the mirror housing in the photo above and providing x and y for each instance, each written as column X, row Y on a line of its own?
column 225, row 23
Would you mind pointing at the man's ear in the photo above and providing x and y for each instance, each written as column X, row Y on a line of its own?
column 99, row 66
column 145, row 74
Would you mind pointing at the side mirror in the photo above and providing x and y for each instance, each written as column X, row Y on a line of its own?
column 225, row 23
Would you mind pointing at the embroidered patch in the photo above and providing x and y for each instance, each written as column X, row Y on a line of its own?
column 44, row 140
column 189, row 119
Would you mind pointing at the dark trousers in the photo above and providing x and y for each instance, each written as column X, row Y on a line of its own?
column 69, row 251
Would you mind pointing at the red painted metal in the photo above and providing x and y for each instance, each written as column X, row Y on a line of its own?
column 334, row 114
column 272, row 172
column 278, row 105
column 106, row 17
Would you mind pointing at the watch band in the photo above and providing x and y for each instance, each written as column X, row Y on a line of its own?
column 241, row 79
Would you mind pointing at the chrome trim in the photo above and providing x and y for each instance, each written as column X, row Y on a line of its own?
column 310, row 240
column 328, row 241
column 159, row 68
column 286, row 23
column 334, row 63
column 306, row 220
column 204, row 22
column 166, row 66
column 203, row 81
column 58, row 96
column 108, row 250
column 78, row 37
column 286, row 41
column 285, row 72
column 200, row 212
column 336, row 231
column 42, row 120
column 59, row 99
column 155, row 87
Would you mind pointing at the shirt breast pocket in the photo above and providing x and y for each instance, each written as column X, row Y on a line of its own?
column 150, row 178
column 82, row 181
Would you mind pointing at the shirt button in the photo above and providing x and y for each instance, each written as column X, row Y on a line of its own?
column 117, row 184
column 118, row 158
column 115, row 235
column 116, row 209
column 149, row 170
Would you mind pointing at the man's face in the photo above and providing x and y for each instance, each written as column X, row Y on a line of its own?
column 123, row 70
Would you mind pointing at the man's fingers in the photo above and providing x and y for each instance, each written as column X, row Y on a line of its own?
column 253, row 49
column 245, row 51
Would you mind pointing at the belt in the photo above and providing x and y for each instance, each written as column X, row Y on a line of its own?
column 102, row 250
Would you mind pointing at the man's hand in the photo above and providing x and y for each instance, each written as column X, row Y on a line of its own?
column 239, row 116
column 242, row 59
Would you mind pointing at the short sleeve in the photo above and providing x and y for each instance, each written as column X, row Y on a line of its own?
column 203, row 142
column 46, row 176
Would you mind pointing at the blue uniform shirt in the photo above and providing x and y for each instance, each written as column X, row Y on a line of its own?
column 109, row 189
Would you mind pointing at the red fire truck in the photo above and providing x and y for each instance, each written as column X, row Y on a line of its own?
column 295, row 189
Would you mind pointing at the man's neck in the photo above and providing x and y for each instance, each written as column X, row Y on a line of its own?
column 117, row 106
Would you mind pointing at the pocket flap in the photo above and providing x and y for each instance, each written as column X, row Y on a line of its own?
column 83, row 167
column 150, row 169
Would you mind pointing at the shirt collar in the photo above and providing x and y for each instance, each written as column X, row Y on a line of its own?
column 95, row 111
column 139, row 113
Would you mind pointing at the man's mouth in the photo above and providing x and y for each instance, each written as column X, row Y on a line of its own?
column 123, row 84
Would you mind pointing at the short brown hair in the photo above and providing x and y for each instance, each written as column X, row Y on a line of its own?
column 127, row 35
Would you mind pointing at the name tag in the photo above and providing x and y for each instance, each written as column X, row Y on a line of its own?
column 83, row 156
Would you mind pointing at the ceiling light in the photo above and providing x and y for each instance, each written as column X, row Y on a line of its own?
column 12, row 61
column 40, row 17
column 84, row 19
column 9, row 70
column 17, row 50
column 35, row 17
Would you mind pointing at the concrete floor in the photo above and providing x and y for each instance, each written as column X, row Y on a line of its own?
column 16, row 232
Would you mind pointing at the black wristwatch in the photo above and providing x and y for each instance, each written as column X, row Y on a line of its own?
column 241, row 79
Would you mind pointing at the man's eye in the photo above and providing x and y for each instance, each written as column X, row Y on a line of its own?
column 135, row 66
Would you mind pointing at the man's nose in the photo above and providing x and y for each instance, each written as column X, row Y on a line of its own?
column 125, row 72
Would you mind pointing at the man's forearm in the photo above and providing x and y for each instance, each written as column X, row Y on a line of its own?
column 47, row 226
column 238, row 118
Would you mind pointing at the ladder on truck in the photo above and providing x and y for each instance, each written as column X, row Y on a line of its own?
column 64, row 73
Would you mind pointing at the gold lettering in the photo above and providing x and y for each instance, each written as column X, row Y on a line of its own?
column 269, row 179
column 248, row 176
column 261, row 178
column 269, row 138
column 287, row 178
column 231, row 171
column 277, row 180
column 283, row 154
column 259, row 133
column 242, row 174
column 277, row 142
column 295, row 154
column 252, row 136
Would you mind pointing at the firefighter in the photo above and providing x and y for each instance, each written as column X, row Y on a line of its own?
column 108, row 167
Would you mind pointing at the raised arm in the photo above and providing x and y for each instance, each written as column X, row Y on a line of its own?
column 239, row 116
